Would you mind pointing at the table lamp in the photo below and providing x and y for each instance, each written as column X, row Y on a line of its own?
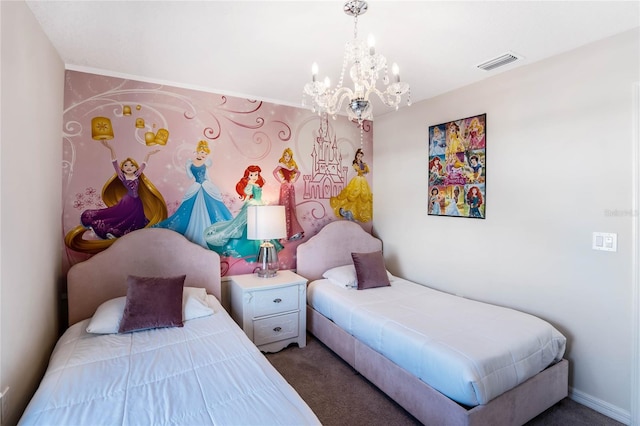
column 266, row 223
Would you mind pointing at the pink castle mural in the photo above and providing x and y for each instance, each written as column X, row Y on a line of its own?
column 328, row 176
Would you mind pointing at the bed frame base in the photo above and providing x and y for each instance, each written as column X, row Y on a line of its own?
column 514, row 407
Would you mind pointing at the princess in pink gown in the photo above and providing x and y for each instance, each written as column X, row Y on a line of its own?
column 287, row 174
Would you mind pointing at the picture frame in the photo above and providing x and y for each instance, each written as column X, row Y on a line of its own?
column 457, row 168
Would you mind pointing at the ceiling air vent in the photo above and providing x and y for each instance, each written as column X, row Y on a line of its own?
column 494, row 63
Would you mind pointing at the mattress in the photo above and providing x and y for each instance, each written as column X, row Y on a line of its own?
column 470, row 351
column 207, row 372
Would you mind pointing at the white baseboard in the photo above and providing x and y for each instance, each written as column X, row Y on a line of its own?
column 602, row 407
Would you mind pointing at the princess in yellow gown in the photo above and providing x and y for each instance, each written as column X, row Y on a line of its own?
column 455, row 149
column 355, row 201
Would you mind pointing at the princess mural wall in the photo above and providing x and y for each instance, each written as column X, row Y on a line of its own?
column 139, row 154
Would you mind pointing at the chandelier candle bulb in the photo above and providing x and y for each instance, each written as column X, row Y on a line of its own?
column 395, row 69
column 327, row 82
column 314, row 71
column 372, row 44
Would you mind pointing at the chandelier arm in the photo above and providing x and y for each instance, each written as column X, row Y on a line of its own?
column 339, row 96
column 379, row 94
column 390, row 99
column 369, row 88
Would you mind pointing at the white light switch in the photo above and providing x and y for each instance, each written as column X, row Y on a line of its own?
column 605, row 241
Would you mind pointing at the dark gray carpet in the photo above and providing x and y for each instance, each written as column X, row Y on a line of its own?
column 338, row 395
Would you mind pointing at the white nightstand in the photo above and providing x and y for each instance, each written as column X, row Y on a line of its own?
column 271, row 311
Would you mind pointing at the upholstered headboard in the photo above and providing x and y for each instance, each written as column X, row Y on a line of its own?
column 332, row 247
column 147, row 252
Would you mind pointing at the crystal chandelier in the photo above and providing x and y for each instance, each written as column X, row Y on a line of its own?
column 365, row 67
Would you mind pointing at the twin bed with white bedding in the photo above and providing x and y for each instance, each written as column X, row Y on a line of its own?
column 204, row 372
column 470, row 351
column 446, row 359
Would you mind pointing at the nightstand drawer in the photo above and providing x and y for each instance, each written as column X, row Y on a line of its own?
column 271, row 311
column 274, row 301
column 276, row 328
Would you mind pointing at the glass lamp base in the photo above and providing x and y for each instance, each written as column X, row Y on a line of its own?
column 266, row 273
column 268, row 260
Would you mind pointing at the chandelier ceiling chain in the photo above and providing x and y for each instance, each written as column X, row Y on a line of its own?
column 365, row 67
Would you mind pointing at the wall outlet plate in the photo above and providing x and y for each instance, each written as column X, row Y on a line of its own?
column 605, row 241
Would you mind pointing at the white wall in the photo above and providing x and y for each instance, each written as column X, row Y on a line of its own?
column 30, row 203
column 559, row 159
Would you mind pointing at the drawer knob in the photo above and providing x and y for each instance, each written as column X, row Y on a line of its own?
column 277, row 329
column 278, row 300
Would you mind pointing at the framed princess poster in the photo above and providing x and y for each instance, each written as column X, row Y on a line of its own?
column 457, row 168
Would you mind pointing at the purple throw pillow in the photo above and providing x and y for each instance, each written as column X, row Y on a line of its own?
column 152, row 302
column 370, row 270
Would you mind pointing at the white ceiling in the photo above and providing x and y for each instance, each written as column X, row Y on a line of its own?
column 264, row 49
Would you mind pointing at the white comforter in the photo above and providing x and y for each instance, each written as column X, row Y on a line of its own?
column 207, row 372
column 467, row 350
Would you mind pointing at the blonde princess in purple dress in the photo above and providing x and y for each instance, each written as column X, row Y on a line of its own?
column 128, row 213
column 130, row 206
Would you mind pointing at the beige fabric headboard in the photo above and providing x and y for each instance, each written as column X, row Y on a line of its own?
column 332, row 247
column 148, row 252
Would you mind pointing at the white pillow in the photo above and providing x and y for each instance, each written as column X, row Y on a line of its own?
column 345, row 276
column 194, row 304
column 107, row 318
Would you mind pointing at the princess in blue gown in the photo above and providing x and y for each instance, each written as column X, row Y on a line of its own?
column 229, row 238
column 202, row 203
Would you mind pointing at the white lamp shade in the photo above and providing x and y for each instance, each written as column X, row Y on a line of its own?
column 266, row 222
